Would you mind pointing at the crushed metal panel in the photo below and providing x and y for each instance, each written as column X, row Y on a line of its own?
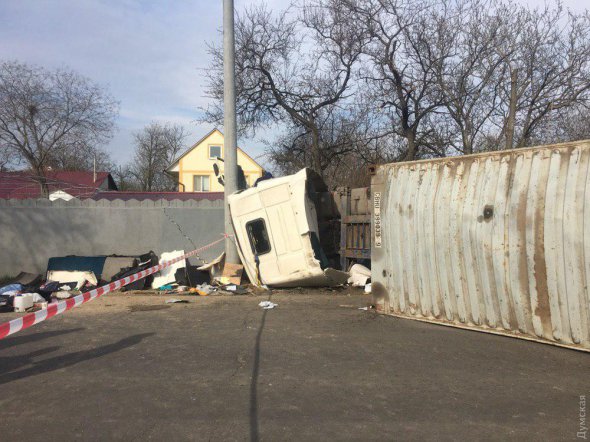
column 290, row 223
column 497, row 242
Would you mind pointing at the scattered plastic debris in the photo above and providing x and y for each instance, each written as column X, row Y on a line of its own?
column 167, row 276
column 176, row 301
column 198, row 292
column 72, row 278
column 11, row 288
column 62, row 294
column 166, row 287
column 25, row 301
column 203, row 289
column 40, row 305
column 235, row 289
column 368, row 288
column 267, row 305
column 359, row 275
column 22, row 302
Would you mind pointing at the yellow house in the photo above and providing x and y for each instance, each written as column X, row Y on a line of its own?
column 195, row 166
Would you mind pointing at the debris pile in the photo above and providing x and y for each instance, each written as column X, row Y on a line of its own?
column 69, row 276
column 214, row 278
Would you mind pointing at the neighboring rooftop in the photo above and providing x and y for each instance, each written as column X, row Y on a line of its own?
column 80, row 184
column 174, row 166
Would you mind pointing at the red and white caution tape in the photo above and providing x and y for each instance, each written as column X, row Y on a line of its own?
column 30, row 319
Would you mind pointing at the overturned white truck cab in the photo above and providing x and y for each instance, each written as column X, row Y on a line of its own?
column 279, row 234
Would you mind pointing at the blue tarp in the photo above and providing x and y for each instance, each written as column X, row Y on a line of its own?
column 92, row 264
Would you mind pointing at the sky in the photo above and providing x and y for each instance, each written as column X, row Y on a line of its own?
column 150, row 55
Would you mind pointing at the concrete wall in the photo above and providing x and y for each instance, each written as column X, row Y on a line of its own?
column 32, row 231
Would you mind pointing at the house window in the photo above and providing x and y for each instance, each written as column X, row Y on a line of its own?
column 201, row 183
column 258, row 236
column 214, row 152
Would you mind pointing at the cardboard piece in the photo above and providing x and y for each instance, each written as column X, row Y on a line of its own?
column 214, row 267
column 232, row 274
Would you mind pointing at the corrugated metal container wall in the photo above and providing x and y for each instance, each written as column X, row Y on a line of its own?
column 498, row 242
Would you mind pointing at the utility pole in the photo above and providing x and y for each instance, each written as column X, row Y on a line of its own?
column 230, row 153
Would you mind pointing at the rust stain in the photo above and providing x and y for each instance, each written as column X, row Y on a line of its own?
column 379, row 292
column 512, row 321
column 523, row 275
column 542, row 310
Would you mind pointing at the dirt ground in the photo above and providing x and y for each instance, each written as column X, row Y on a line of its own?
column 130, row 367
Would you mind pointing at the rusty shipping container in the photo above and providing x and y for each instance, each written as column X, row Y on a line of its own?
column 497, row 242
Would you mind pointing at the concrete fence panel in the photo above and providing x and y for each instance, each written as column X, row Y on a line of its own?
column 32, row 231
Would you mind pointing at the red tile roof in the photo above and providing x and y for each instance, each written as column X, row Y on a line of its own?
column 25, row 184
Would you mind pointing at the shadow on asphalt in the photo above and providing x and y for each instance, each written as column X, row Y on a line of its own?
column 254, row 435
column 11, row 341
column 62, row 361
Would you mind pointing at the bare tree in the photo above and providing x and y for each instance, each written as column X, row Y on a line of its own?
column 45, row 113
column 547, row 59
column 156, row 147
column 5, row 161
column 84, row 157
column 292, row 69
column 354, row 138
column 400, row 73
column 124, row 178
column 505, row 71
column 470, row 70
column 572, row 123
column 356, row 81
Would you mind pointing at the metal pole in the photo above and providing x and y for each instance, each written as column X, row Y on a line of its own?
column 230, row 154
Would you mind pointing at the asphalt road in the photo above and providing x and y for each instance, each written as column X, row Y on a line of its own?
column 314, row 368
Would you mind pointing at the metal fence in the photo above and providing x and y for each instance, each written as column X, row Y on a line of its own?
column 498, row 242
